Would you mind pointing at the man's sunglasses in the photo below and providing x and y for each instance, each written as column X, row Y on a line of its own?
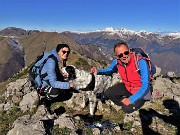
column 65, row 52
column 121, row 54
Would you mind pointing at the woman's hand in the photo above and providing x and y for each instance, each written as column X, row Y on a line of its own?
column 65, row 74
column 71, row 84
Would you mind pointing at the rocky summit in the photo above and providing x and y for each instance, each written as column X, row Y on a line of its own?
column 22, row 114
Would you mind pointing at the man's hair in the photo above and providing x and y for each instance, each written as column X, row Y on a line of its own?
column 60, row 46
column 120, row 44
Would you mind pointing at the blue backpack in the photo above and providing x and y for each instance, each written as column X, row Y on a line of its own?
column 35, row 75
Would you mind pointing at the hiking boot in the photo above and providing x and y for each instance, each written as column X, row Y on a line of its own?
column 42, row 93
column 47, row 104
column 102, row 97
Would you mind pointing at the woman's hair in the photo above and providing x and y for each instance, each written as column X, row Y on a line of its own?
column 120, row 44
column 60, row 46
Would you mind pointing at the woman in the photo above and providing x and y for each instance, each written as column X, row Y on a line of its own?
column 51, row 81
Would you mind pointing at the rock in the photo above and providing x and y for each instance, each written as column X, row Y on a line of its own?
column 158, row 72
column 2, row 106
column 29, row 101
column 8, row 105
column 65, row 121
column 96, row 131
column 26, row 126
column 171, row 74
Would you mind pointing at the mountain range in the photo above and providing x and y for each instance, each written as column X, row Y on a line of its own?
column 163, row 49
column 19, row 47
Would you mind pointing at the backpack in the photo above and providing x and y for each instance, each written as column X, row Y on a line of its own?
column 139, row 52
column 35, row 75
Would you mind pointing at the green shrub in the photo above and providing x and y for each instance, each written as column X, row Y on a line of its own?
column 82, row 63
column 73, row 52
column 7, row 118
column 56, row 130
column 65, row 131
column 103, row 63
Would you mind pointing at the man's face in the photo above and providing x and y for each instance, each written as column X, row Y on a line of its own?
column 63, row 53
column 122, row 53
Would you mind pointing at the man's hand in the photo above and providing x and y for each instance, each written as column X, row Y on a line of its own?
column 126, row 101
column 94, row 70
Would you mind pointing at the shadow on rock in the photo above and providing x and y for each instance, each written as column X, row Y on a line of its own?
column 48, row 125
column 146, row 120
column 173, row 118
column 60, row 110
column 89, row 118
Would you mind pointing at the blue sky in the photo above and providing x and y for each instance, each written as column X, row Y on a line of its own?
column 91, row 15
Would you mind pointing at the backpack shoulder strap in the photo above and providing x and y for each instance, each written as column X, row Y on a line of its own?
column 52, row 57
column 42, row 64
column 136, row 59
column 138, row 54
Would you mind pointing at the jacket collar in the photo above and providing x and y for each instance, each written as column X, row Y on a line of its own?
column 54, row 52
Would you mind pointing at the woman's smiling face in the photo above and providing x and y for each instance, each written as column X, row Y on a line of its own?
column 64, row 53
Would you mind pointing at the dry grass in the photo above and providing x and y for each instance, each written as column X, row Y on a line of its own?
column 34, row 44
column 5, row 50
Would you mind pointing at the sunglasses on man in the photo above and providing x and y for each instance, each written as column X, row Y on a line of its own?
column 64, row 52
column 121, row 54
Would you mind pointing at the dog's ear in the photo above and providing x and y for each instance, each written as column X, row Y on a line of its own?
column 73, row 66
column 71, row 72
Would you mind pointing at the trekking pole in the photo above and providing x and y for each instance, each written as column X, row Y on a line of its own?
column 23, row 86
column 44, row 47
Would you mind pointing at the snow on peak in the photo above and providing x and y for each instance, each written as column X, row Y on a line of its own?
column 175, row 35
column 120, row 31
column 123, row 32
column 109, row 29
column 143, row 31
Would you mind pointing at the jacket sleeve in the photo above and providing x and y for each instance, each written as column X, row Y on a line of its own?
column 50, row 65
column 108, row 71
column 145, row 80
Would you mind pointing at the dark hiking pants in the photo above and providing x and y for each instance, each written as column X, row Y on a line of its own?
column 118, row 92
column 50, row 95
column 58, row 94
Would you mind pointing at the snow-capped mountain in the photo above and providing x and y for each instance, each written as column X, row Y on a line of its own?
column 163, row 48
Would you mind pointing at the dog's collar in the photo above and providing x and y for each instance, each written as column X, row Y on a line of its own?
column 91, row 85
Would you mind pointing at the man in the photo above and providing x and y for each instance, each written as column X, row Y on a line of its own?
column 135, row 89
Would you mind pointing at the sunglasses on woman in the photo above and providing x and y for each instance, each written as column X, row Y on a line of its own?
column 64, row 52
column 121, row 54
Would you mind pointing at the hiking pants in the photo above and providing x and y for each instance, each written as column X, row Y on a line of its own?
column 118, row 92
column 58, row 94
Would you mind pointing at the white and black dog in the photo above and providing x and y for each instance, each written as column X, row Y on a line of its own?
column 93, row 84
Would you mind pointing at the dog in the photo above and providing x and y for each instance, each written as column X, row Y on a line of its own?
column 92, row 84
